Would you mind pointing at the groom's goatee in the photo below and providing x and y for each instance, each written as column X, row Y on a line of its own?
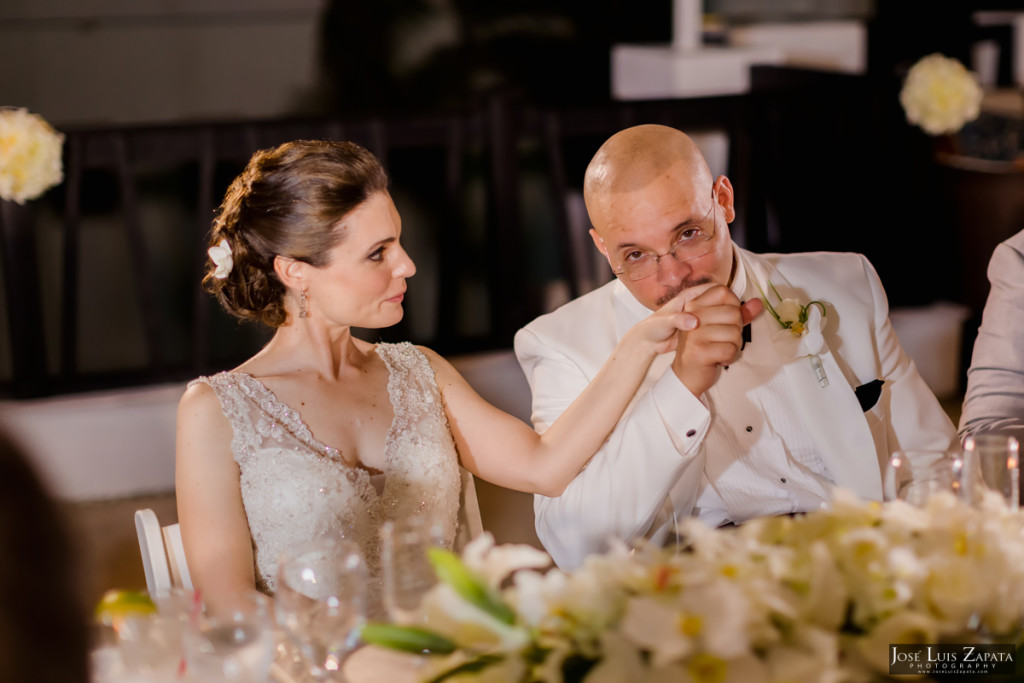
column 672, row 293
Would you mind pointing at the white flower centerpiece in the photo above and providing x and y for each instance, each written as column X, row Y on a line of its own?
column 814, row 598
column 940, row 95
column 30, row 155
column 969, row 127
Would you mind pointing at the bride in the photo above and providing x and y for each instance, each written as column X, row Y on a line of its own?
column 321, row 432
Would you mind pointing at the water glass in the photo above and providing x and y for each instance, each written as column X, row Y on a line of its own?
column 917, row 475
column 992, row 465
column 408, row 574
column 233, row 640
column 148, row 647
column 320, row 603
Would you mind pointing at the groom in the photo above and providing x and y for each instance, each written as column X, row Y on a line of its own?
column 742, row 420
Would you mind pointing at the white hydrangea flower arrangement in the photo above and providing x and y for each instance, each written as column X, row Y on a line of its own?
column 814, row 598
column 940, row 95
column 30, row 155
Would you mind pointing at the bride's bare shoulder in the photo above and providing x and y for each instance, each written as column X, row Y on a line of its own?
column 199, row 401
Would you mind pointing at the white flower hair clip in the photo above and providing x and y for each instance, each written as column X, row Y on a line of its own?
column 221, row 257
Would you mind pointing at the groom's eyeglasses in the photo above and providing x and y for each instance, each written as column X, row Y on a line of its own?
column 692, row 241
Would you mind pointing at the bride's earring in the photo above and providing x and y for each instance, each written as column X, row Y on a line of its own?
column 303, row 312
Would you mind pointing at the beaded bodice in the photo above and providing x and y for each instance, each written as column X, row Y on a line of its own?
column 296, row 488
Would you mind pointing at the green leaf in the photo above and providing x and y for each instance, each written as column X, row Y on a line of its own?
column 471, row 667
column 468, row 585
column 768, row 304
column 407, row 639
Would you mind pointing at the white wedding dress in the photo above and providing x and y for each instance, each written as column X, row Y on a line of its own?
column 296, row 488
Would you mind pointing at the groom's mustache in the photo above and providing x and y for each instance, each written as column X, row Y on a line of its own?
column 671, row 293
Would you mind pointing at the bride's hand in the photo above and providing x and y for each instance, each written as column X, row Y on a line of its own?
column 658, row 333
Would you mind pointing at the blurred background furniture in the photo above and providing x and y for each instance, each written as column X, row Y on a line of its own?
column 486, row 115
column 163, row 555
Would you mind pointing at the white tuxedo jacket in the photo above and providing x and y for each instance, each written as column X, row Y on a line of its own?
column 654, row 455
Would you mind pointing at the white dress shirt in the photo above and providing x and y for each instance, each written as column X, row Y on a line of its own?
column 760, row 459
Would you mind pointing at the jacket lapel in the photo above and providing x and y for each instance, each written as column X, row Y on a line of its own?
column 831, row 414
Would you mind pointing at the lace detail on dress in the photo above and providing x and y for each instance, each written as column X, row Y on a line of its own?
column 423, row 466
column 295, row 488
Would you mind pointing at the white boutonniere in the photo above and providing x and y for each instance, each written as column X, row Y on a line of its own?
column 802, row 324
column 221, row 257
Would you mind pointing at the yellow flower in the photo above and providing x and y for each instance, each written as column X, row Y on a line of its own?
column 940, row 95
column 30, row 155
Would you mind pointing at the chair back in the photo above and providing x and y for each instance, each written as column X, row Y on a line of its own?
column 175, row 550
column 163, row 555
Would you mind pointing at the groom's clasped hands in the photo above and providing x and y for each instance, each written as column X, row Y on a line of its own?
column 713, row 335
column 703, row 324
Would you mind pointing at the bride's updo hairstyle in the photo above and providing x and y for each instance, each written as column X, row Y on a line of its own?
column 289, row 202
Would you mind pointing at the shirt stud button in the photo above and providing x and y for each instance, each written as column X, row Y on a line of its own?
column 692, row 432
column 749, row 428
column 782, row 479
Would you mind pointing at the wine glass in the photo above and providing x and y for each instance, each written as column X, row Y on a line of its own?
column 320, row 602
column 232, row 640
column 992, row 464
column 408, row 574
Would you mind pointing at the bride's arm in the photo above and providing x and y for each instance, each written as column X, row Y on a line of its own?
column 504, row 450
column 214, row 528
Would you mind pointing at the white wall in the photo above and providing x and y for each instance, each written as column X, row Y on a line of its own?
column 130, row 61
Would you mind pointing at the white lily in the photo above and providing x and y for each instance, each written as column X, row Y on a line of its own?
column 451, row 616
column 494, row 563
column 908, row 628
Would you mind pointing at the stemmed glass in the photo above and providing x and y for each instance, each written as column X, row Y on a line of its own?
column 232, row 640
column 407, row 572
column 320, row 602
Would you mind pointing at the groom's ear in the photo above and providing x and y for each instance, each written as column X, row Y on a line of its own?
column 290, row 272
column 599, row 243
column 726, row 196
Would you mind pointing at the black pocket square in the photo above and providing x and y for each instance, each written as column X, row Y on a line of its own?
column 867, row 394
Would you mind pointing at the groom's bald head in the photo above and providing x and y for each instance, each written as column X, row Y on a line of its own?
column 633, row 158
column 645, row 187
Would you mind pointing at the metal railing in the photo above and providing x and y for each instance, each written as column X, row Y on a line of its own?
column 150, row 193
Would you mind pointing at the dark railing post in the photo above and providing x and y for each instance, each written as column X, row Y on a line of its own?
column 207, row 141
column 71, row 231
column 24, row 303
column 509, row 291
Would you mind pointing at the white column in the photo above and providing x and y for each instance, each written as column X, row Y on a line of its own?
column 687, row 24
